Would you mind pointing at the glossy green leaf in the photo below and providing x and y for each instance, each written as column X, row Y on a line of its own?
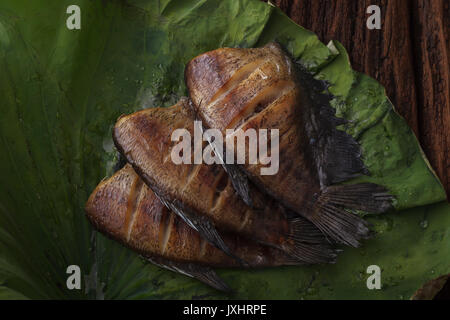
column 62, row 91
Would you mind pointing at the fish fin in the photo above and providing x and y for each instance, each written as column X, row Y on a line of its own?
column 199, row 272
column 200, row 224
column 337, row 155
column 240, row 183
column 332, row 216
column 203, row 225
column 306, row 244
column 366, row 196
column 305, row 253
column 237, row 176
column 304, row 231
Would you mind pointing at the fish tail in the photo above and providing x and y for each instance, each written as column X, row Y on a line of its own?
column 301, row 253
column 332, row 212
column 307, row 245
column 304, row 231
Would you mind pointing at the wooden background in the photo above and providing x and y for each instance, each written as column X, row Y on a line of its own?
column 409, row 56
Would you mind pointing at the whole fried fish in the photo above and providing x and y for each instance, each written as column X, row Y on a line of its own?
column 233, row 89
column 202, row 194
column 125, row 209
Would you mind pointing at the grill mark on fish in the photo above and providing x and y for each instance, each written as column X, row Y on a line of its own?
column 193, row 201
column 220, row 186
column 261, row 101
column 166, row 232
column 203, row 245
column 168, row 155
column 266, row 112
column 193, row 171
column 163, row 238
column 236, row 79
column 132, row 206
column 315, row 153
column 216, row 77
column 137, row 211
column 246, row 219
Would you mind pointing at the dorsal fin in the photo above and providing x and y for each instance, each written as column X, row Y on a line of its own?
column 238, row 178
column 337, row 154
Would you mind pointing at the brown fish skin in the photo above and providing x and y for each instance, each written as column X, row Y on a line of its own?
column 260, row 89
column 204, row 191
column 263, row 96
column 125, row 209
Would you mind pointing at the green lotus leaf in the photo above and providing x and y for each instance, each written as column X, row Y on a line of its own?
column 61, row 92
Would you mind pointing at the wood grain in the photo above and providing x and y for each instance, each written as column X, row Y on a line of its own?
column 409, row 56
column 431, row 45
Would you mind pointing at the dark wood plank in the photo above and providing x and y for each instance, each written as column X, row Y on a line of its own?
column 408, row 56
column 386, row 54
column 431, row 45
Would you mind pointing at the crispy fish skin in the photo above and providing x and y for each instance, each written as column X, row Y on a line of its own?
column 260, row 89
column 125, row 209
column 203, row 194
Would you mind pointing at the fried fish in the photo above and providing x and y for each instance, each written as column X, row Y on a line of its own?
column 262, row 88
column 203, row 195
column 125, row 209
